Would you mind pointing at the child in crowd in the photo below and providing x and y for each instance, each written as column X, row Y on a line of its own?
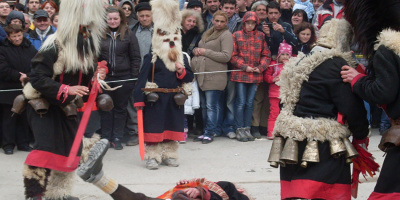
column 271, row 76
column 252, row 56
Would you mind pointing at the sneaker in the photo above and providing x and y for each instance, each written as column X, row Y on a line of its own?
column 248, row 134
column 198, row 139
column 92, row 167
column 206, row 140
column 133, row 141
column 184, row 141
column 231, row 135
column 270, row 136
column 171, row 162
column 151, row 164
column 117, row 144
column 240, row 135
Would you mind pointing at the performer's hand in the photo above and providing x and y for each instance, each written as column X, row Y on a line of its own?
column 182, row 182
column 78, row 90
column 102, row 73
column 348, row 73
column 23, row 77
column 192, row 192
column 179, row 68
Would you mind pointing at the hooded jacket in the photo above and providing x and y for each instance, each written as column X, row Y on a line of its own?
column 249, row 49
column 132, row 19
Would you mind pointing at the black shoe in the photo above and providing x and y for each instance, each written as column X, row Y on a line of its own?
column 133, row 141
column 206, row 140
column 255, row 131
column 8, row 151
column 25, row 148
column 198, row 139
column 117, row 144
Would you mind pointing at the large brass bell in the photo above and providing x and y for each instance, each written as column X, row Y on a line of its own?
column 311, row 153
column 79, row 102
column 70, row 110
column 180, row 99
column 276, row 150
column 40, row 105
column 104, row 102
column 337, row 147
column 152, row 97
column 351, row 152
column 19, row 104
column 290, row 152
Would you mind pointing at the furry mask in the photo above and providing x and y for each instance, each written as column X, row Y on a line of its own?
column 80, row 30
column 167, row 39
column 336, row 34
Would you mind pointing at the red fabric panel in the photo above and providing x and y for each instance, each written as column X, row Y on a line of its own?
column 49, row 160
column 310, row 189
column 383, row 196
column 355, row 79
column 166, row 135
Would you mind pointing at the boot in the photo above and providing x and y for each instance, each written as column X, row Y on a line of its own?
column 92, row 167
column 117, row 144
column 171, row 162
column 255, row 131
column 240, row 135
column 248, row 134
column 152, row 164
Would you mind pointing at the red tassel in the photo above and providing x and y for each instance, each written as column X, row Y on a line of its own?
column 364, row 163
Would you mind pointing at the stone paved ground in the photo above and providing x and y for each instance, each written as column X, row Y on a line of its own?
column 224, row 159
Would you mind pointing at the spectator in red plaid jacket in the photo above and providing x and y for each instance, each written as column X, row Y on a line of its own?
column 252, row 56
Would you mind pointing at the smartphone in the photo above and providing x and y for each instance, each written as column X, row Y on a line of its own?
column 270, row 25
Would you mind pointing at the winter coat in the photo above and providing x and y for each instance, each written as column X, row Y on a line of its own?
column 35, row 39
column 132, row 19
column 193, row 101
column 122, row 55
column 325, row 11
column 277, row 37
column 249, row 49
column 274, row 70
column 235, row 23
column 14, row 59
column 305, row 48
column 219, row 47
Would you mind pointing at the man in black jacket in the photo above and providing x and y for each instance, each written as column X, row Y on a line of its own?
column 276, row 30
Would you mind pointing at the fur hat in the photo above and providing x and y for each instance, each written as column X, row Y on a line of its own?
column 166, row 40
column 335, row 34
column 284, row 48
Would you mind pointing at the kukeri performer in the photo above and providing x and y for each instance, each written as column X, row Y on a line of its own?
column 319, row 113
column 377, row 31
column 161, row 90
column 62, row 72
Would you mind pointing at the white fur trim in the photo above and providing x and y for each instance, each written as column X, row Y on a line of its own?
column 294, row 73
column 87, row 144
column 390, row 39
column 150, row 85
column 30, row 92
column 153, row 152
column 169, row 149
column 38, row 174
column 60, row 184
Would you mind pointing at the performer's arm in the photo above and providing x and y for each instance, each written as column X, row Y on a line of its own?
column 379, row 89
column 41, row 77
column 139, row 95
column 187, row 75
column 350, row 105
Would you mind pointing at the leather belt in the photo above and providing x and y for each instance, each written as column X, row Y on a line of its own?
column 163, row 90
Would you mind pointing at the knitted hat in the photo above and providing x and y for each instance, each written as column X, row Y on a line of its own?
column 194, row 3
column 284, row 48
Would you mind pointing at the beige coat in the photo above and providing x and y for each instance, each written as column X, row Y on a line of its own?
column 219, row 47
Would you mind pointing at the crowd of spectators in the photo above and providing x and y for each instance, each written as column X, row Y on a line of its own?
column 215, row 34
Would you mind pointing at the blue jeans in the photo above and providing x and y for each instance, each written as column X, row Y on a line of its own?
column 210, row 104
column 368, row 108
column 245, row 93
column 229, row 120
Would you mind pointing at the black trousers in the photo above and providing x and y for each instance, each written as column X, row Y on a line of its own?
column 113, row 122
column 15, row 128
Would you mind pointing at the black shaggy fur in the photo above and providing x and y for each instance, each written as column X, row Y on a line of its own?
column 33, row 187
